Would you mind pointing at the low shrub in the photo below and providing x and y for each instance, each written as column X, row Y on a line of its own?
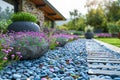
column 24, row 16
column 4, row 25
column 78, row 33
column 62, row 39
column 32, row 45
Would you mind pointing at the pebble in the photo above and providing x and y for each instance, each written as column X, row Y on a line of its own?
column 69, row 78
column 55, row 78
column 9, row 72
column 16, row 76
column 117, row 78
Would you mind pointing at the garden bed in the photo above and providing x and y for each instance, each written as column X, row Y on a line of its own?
column 68, row 63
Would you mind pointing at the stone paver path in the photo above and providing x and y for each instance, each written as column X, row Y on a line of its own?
column 103, row 63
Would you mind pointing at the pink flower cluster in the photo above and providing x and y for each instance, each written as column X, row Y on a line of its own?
column 103, row 35
column 6, row 49
column 67, row 36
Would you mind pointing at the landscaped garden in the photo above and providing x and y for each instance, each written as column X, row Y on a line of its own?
column 67, row 52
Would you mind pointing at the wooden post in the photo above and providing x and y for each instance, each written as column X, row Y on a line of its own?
column 16, row 6
column 52, row 24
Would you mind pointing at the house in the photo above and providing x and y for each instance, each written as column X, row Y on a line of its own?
column 41, row 8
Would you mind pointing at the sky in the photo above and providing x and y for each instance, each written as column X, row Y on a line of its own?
column 65, row 6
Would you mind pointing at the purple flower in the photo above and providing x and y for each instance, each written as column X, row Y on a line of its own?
column 12, row 56
column 3, row 50
column 9, row 50
column 18, row 53
column 6, row 52
column 20, row 56
column 5, row 58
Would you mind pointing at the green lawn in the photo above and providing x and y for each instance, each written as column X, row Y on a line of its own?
column 113, row 41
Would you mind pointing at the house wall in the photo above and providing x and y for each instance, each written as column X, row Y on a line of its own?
column 29, row 6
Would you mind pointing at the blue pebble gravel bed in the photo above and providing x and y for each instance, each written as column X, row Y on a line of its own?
column 63, row 63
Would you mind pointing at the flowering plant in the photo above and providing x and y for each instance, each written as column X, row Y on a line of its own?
column 103, row 35
column 30, row 44
column 6, row 50
column 62, row 39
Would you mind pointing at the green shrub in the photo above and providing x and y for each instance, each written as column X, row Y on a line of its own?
column 89, row 28
column 118, row 24
column 113, row 28
column 52, row 44
column 24, row 16
column 62, row 41
column 4, row 25
column 77, row 33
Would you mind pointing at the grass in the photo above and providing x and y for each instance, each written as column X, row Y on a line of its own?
column 113, row 41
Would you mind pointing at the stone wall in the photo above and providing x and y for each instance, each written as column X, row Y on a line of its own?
column 29, row 6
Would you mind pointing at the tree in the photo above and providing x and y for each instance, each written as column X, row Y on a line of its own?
column 113, row 11
column 71, row 14
column 97, row 18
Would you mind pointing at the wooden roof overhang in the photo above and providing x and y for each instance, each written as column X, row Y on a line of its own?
column 49, row 11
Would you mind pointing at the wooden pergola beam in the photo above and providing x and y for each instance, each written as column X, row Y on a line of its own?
column 40, row 5
column 51, row 14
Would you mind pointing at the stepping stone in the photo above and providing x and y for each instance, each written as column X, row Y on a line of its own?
column 99, row 57
column 103, row 72
column 103, row 61
column 117, row 78
column 102, row 66
column 97, row 78
column 110, row 59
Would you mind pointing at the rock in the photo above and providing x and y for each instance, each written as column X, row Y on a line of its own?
column 20, row 65
column 13, row 70
column 37, row 77
column 30, row 72
column 9, row 72
column 69, row 78
column 56, row 69
column 80, row 78
column 28, row 64
column 55, row 78
column 117, row 78
column 85, row 76
column 27, row 74
column 20, row 71
column 16, row 76
column 61, row 71
column 43, row 74
column 59, row 75
column 108, row 77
